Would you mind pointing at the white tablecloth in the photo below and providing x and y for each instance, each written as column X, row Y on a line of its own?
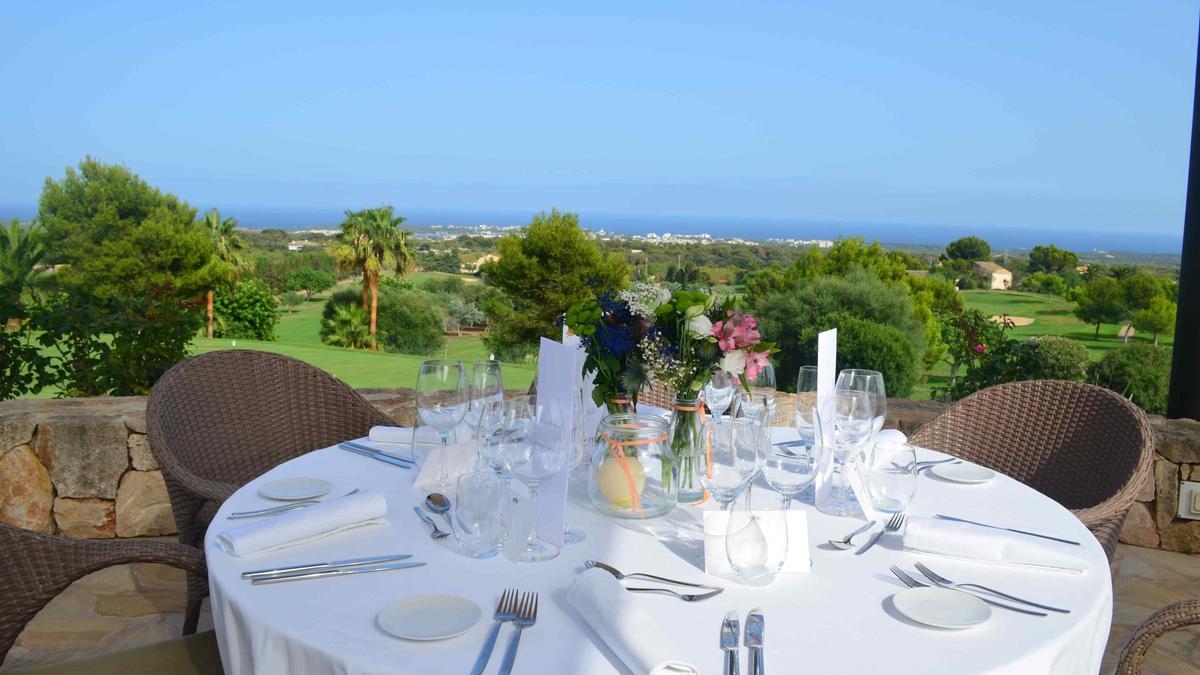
column 837, row 618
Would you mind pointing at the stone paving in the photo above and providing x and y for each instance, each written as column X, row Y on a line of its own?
column 131, row 605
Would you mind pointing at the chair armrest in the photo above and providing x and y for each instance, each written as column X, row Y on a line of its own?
column 100, row 554
column 1172, row 617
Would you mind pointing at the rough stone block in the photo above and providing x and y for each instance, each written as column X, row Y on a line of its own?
column 85, row 518
column 1146, row 492
column 1183, row 537
column 1166, row 492
column 86, row 454
column 26, row 493
column 135, row 420
column 143, row 507
column 140, row 455
column 1178, row 441
column 16, row 428
column 1139, row 528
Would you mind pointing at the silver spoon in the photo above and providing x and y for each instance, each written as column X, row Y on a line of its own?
column 440, row 504
column 844, row 543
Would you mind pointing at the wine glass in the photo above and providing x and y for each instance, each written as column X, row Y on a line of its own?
column 852, row 427
column 442, row 402
column 487, row 384
column 806, row 403
column 756, row 544
column 718, row 393
column 789, row 472
column 762, row 386
column 491, row 433
column 579, row 437
column 535, row 448
column 871, row 382
column 889, row 472
column 736, row 458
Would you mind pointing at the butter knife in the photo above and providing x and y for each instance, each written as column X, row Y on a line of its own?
column 729, row 642
column 333, row 572
column 352, row 562
column 382, row 457
column 754, row 642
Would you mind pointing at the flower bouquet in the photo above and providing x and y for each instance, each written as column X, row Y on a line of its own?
column 610, row 328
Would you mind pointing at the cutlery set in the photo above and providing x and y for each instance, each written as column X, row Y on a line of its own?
column 283, row 508
column 912, row 582
column 753, row 640
column 379, row 455
column 708, row 591
column 519, row 608
column 320, row 570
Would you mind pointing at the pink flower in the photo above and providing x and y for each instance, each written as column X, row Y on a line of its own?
column 746, row 334
column 755, row 362
column 724, row 331
column 981, row 348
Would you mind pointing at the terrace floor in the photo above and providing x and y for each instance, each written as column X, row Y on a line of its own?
column 131, row 605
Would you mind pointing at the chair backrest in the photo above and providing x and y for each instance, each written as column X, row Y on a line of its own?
column 231, row 415
column 1077, row 443
column 37, row 567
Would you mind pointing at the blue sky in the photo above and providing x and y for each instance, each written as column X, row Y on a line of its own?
column 1057, row 114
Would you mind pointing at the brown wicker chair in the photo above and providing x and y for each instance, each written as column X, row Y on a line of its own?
column 657, row 394
column 218, row 420
column 1086, row 447
column 37, row 567
column 1178, row 615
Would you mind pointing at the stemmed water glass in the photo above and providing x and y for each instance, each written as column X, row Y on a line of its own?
column 762, row 387
column 736, row 458
column 442, row 402
column 789, row 472
column 806, row 404
column 871, row 383
column 852, row 427
column 718, row 393
column 535, row 449
column 487, row 384
column 579, row 437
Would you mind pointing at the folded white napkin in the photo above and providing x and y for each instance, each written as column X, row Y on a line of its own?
column 631, row 634
column 304, row 525
column 963, row 540
column 391, row 435
column 893, row 435
column 458, row 460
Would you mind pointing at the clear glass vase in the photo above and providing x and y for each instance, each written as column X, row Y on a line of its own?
column 633, row 472
column 621, row 402
column 688, row 447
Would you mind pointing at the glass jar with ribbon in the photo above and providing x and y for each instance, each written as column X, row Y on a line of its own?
column 633, row 472
column 689, row 447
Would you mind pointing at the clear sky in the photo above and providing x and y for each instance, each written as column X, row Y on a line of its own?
column 1061, row 114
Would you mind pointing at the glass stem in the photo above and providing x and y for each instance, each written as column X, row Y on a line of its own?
column 787, row 502
column 531, row 543
column 443, row 474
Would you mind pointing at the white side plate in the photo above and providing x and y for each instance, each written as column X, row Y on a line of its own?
column 941, row 607
column 291, row 489
column 429, row 617
column 962, row 473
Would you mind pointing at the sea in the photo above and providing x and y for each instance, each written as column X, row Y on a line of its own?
column 1131, row 240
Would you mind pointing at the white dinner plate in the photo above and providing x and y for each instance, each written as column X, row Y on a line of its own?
column 941, row 607
column 962, row 473
column 429, row 617
column 291, row 489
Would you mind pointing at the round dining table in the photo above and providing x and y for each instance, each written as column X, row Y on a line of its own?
column 836, row 617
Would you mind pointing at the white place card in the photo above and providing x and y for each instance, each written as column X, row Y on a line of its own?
column 559, row 380
column 826, row 383
column 716, row 562
column 521, row 517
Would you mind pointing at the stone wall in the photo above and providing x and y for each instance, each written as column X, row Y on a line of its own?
column 83, row 468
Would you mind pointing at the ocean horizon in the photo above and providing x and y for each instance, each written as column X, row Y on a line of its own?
column 753, row 228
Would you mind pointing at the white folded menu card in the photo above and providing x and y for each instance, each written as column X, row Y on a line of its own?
column 618, row 620
column 716, row 561
column 963, row 540
column 304, row 525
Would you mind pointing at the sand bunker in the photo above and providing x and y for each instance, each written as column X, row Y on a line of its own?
column 1016, row 320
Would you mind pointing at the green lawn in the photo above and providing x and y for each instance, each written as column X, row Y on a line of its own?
column 1051, row 314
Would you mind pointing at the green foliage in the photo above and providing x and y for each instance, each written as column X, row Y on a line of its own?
column 1056, row 358
column 444, row 261
column 1140, row 372
column 20, row 360
column 1140, row 289
column 968, row 336
column 346, row 325
column 310, row 280
column 394, row 284
column 1043, row 282
column 1158, row 317
column 1100, row 301
column 861, row 344
column 229, row 261
column 274, row 267
column 291, row 301
column 249, row 312
column 968, row 248
column 687, row 274
column 1052, row 259
column 845, row 256
column 409, row 323
column 543, row 271
column 945, row 297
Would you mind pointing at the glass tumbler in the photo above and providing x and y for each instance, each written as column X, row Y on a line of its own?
column 480, row 519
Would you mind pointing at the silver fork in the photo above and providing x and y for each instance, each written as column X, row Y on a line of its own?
column 437, row 531
column 282, row 508
column 686, row 597
column 907, row 580
column 506, row 610
column 892, row 525
column 526, row 617
column 946, row 583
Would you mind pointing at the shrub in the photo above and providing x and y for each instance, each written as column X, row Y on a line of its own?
column 409, row 323
column 250, row 312
column 346, row 326
column 310, row 281
column 291, row 301
column 1056, row 358
column 861, row 344
column 1043, row 282
column 1139, row 372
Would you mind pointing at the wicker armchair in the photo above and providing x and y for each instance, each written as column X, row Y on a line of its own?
column 218, row 420
column 1086, row 447
column 37, row 567
column 1178, row 615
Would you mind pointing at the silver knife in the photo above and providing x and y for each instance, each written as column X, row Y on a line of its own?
column 352, row 562
column 334, row 572
column 871, row 542
column 383, row 457
column 729, row 642
column 754, row 642
column 1008, row 529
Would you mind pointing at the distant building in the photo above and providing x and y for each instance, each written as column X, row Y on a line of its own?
column 301, row 244
column 999, row 279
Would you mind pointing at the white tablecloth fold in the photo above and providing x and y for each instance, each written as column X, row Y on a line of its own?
column 630, row 633
column 963, row 540
column 304, row 525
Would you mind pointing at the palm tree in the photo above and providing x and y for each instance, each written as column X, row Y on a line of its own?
column 229, row 258
column 21, row 249
column 371, row 241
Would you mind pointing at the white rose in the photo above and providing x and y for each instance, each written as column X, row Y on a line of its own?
column 734, row 362
column 663, row 296
column 700, row 326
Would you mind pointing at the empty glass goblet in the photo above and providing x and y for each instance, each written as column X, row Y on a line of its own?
column 789, row 471
column 535, row 447
column 442, row 401
column 718, row 393
column 736, row 458
column 481, row 517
